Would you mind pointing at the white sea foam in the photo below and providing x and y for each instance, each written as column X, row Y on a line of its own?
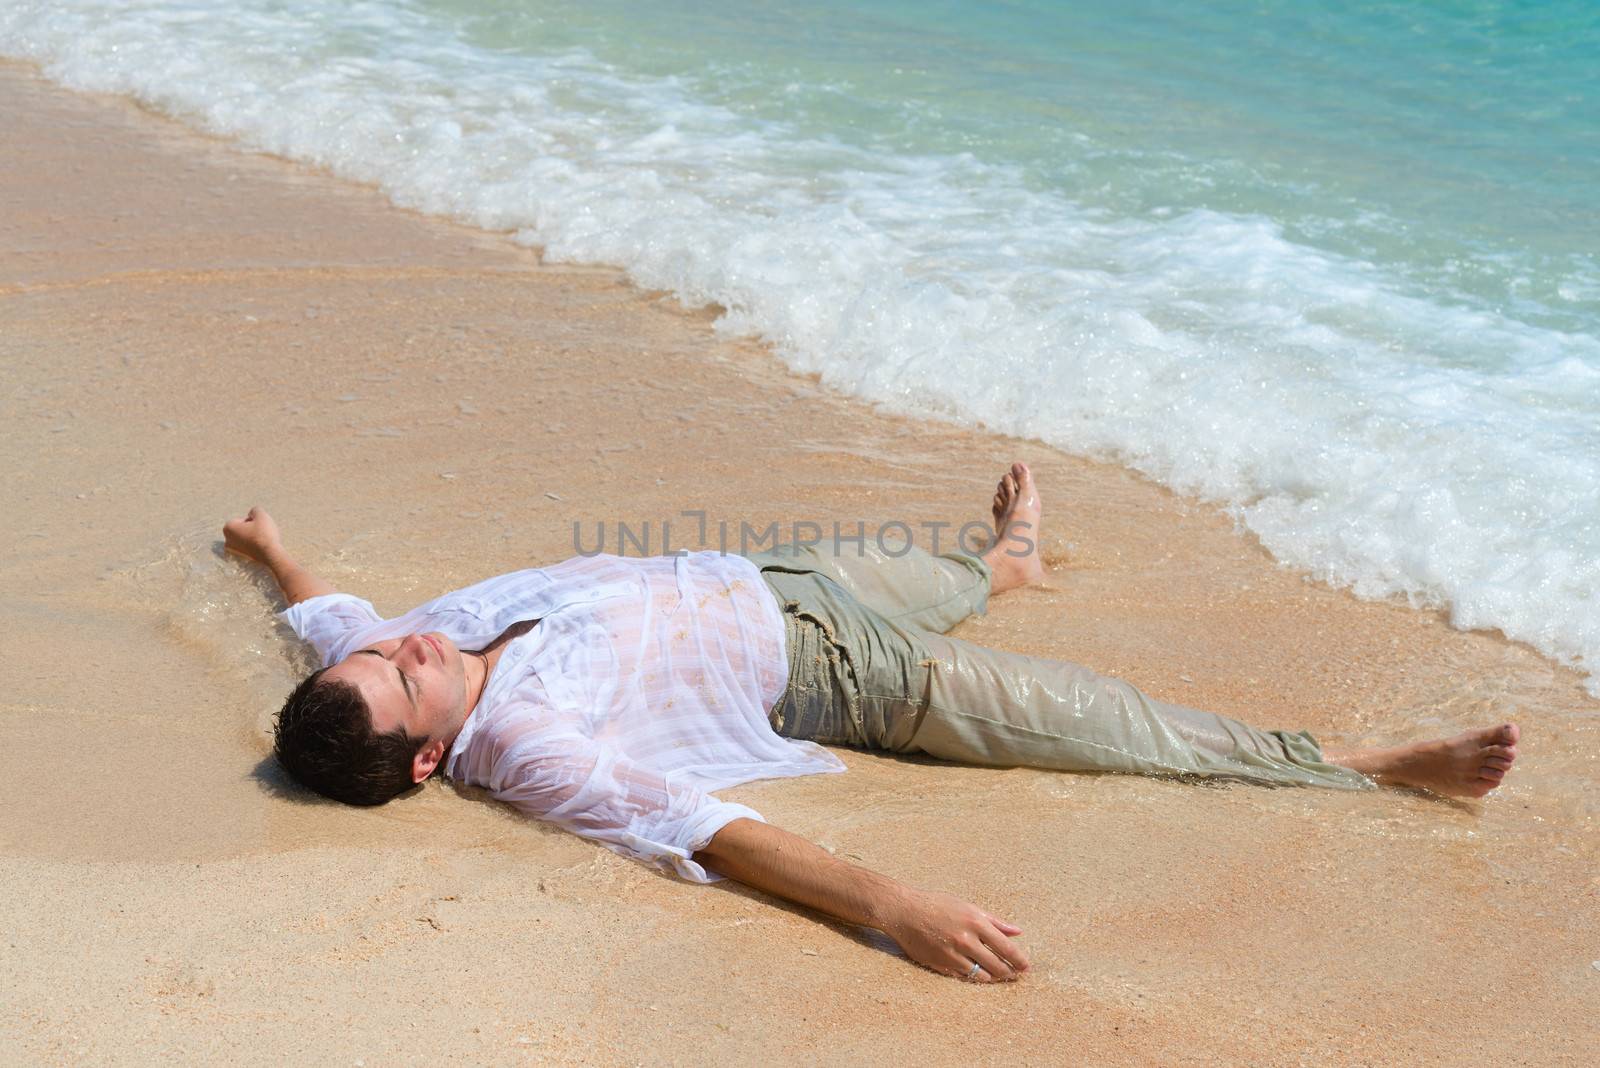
column 1387, row 438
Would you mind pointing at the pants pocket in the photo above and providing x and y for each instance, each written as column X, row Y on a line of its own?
column 815, row 705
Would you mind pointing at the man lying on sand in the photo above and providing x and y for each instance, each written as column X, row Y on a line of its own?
column 611, row 696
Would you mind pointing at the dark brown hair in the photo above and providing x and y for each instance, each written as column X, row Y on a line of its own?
column 324, row 738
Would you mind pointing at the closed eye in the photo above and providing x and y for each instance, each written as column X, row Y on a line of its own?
column 405, row 681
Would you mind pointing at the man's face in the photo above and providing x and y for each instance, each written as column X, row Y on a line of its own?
column 417, row 682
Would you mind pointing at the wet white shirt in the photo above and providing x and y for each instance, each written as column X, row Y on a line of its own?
column 646, row 685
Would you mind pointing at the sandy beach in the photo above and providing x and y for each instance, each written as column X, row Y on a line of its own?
column 188, row 329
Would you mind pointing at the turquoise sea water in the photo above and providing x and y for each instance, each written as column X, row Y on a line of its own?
column 1334, row 265
column 1456, row 142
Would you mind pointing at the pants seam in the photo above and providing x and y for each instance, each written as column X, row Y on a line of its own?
column 964, row 594
column 978, row 579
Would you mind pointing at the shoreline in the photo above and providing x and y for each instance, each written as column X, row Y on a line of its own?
column 191, row 329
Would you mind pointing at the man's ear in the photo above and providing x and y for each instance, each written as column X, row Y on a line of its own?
column 426, row 760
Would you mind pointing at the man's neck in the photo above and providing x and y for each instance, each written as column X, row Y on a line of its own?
column 477, row 667
column 483, row 661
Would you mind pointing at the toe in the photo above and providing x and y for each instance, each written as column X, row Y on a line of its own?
column 1508, row 734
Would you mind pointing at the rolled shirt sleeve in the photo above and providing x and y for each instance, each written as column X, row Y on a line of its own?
column 590, row 789
column 329, row 622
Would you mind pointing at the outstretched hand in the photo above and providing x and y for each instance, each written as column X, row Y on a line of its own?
column 949, row 935
column 253, row 534
column 936, row 930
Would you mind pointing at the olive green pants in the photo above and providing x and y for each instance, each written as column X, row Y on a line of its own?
column 869, row 666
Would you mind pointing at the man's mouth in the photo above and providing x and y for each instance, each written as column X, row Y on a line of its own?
column 437, row 648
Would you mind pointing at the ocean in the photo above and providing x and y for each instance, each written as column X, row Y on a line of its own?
column 1334, row 266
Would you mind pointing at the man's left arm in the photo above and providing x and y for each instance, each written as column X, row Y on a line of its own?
column 590, row 789
column 255, row 536
column 937, row 930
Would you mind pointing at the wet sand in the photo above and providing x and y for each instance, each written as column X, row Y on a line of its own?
column 187, row 329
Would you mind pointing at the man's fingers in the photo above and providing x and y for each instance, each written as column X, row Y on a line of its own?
column 955, row 959
column 1004, row 927
column 1006, row 949
column 960, row 967
column 977, row 945
column 992, row 963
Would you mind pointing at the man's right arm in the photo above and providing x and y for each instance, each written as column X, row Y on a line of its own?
column 255, row 535
column 937, row 930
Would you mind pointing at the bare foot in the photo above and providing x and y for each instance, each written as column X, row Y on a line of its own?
column 1468, row 765
column 1014, row 557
